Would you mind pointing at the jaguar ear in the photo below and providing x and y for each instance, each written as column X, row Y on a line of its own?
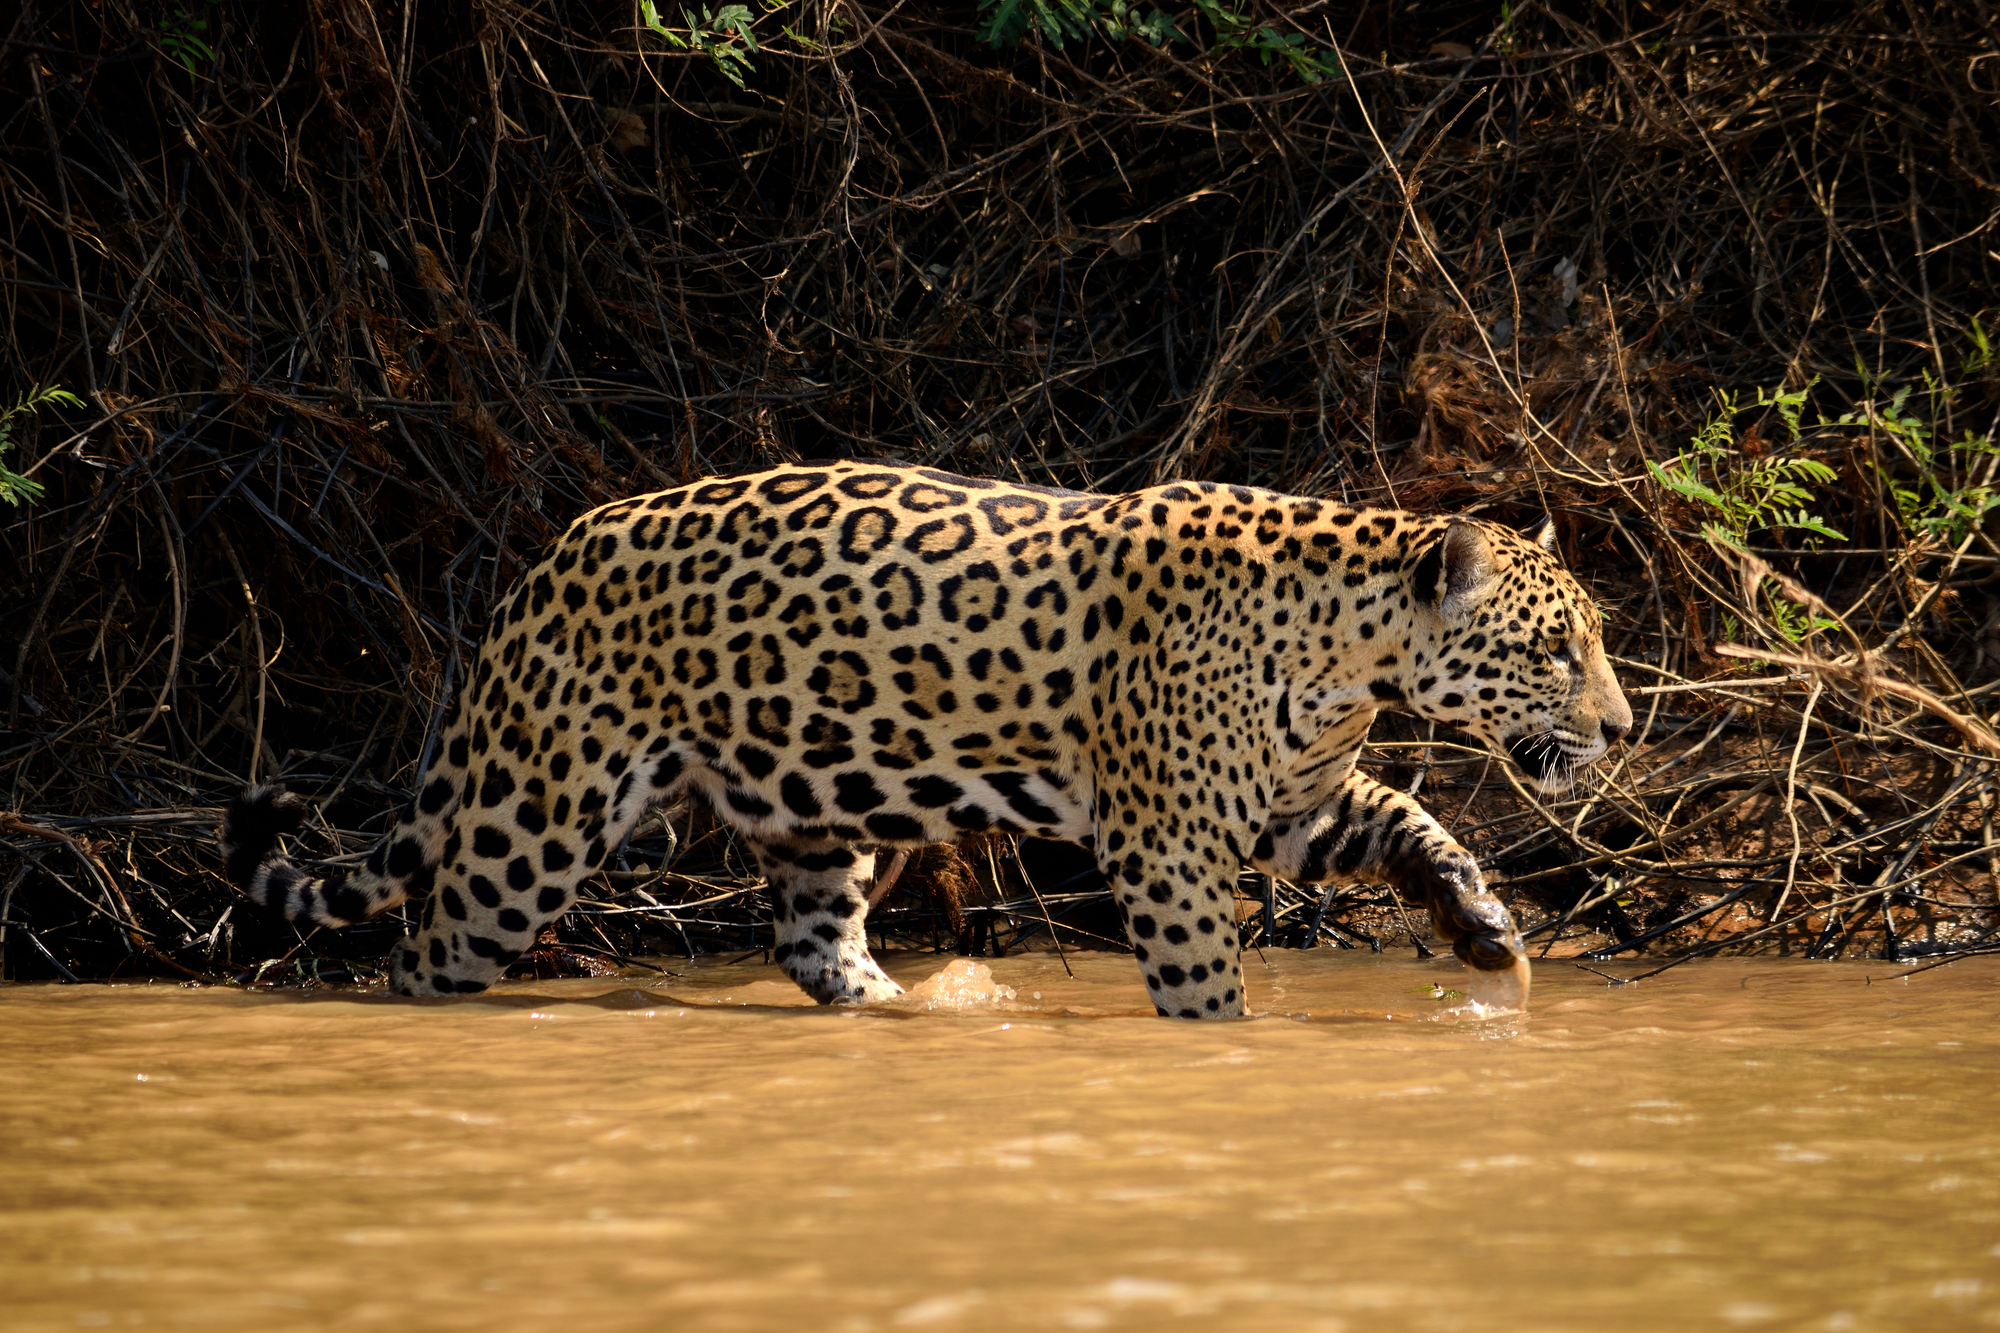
column 1466, row 573
column 1546, row 538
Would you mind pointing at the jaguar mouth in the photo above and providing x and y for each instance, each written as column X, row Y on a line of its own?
column 1545, row 757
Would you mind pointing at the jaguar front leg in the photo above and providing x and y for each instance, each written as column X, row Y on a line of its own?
column 1180, row 915
column 819, row 913
column 1369, row 832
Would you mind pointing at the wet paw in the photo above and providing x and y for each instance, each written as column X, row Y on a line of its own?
column 1482, row 915
column 1490, row 952
column 869, row 990
column 845, row 988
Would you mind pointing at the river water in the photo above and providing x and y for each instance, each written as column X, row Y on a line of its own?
column 1731, row 1145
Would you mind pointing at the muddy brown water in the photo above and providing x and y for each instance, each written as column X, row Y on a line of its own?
column 1731, row 1145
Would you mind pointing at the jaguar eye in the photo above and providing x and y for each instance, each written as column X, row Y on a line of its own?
column 1562, row 651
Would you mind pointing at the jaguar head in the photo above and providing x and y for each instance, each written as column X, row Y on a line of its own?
column 1509, row 646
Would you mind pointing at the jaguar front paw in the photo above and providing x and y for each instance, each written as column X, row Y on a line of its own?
column 1492, row 952
column 855, row 983
column 1480, row 930
column 867, row 984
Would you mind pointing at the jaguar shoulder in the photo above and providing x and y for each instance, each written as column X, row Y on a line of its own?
column 850, row 656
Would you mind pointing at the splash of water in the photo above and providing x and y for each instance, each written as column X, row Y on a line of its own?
column 1497, row 992
column 961, row 987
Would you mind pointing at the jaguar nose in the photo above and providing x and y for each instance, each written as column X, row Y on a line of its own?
column 1614, row 731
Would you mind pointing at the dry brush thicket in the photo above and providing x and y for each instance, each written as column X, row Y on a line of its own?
column 366, row 299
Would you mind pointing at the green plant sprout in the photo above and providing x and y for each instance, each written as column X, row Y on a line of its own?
column 14, row 488
column 837, row 23
column 723, row 35
column 182, row 39
column 1237, row 31
column 1008, row 23
column 1980, row 359
column 1934, row 505
column 1795, row 622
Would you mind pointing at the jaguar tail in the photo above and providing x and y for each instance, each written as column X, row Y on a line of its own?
column 402, row 866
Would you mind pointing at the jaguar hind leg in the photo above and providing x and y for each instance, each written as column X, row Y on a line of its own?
column 486, row 913
column 819, row 911
column 508, row 872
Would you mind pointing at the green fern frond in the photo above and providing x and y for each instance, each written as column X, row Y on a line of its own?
column 1742, row 496
column 15, row 488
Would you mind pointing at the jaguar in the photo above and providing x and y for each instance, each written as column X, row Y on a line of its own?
column 850, row 657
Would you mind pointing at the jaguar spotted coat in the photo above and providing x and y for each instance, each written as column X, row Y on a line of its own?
column 849, row 656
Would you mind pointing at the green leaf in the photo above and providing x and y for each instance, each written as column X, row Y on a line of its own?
column 1743, row 495
column 649, row 14
column 1007, row 23
column 1814, row 470
column 15, row 488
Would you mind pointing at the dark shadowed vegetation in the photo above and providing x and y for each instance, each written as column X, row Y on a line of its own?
column 364, row 300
